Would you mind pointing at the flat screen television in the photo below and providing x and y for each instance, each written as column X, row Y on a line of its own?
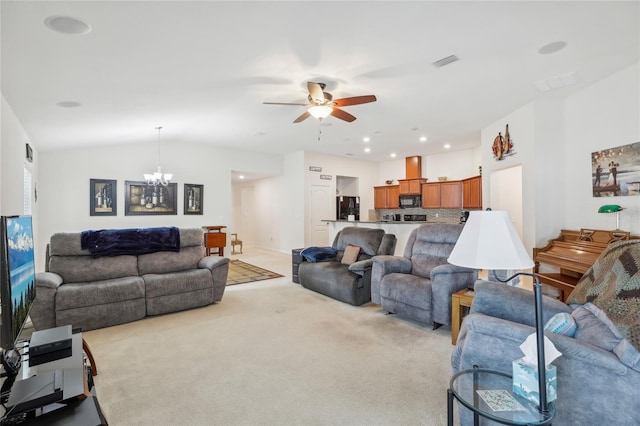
column 17, row 279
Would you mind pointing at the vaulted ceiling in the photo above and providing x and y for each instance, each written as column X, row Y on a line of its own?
column 203, row 69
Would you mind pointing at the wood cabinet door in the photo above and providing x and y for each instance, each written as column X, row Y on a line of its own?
column 431, row 196
column 451, row 195
column 404, row 186
column 472, row 193
column 415, row 186
column 393, row 197
column 379, row 197
column 475, row 192
column 413, row 168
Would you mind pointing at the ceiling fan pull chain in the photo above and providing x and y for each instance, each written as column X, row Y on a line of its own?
column 319, row 130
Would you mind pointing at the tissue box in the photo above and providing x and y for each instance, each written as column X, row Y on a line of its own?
column 525, row 381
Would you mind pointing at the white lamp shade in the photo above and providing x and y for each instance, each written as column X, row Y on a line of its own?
column 490, row 241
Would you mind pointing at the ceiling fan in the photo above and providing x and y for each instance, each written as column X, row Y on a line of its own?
column 321, row 104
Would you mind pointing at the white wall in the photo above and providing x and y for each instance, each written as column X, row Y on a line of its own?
column 454, row 165
column 604, row 115
column 13, row 138
column 64, row 194
column 366, row 171
column 553, row 141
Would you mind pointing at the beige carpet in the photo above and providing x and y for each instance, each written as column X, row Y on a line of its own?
column 273, row 353
column 241, row 272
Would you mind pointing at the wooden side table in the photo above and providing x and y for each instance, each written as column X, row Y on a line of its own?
column 459, row 299
column 214, row 240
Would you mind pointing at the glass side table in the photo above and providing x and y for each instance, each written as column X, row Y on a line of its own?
column 487, row 393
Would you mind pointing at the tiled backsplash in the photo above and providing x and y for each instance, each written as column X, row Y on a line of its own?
column 433, row 215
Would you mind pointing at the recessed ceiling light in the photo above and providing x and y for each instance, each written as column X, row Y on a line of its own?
column 552, row 47
column 423, row 138
column 68, row 104
column 241, row 177
column 67, row 25
column 447, row 146
column 366, row 139
column 393, row 155
column 367, row 149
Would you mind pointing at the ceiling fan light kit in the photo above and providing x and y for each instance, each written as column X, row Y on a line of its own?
column 321, row 104
column 320, row 111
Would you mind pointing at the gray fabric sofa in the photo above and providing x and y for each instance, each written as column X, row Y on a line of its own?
column 348, row 283
column 595, row 387
column 95, row 292
column 419, row 284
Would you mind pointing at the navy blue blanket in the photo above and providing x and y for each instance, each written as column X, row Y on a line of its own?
column 134, row 241
column 319, row 254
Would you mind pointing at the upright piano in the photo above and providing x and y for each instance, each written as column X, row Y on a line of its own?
column 568, row 256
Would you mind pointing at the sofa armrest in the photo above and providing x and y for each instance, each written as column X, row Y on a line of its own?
column 212, row 262
column 447, row 279
column 43, row 311
column 361, row 266
column 390, row 264
column 512, row 303
column 48, row 280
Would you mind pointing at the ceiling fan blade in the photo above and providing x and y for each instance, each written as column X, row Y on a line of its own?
column 315, row 91
column 342, row 115
column 356, row 100
column 283, row 103
column 302, row 117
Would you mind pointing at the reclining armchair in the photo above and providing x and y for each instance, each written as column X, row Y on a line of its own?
column 347, row 281
column 599, row 370
column 419, row 285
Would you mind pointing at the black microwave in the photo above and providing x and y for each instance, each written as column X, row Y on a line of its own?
column 410, row 201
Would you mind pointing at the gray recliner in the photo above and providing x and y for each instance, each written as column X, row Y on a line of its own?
column 348, row 283
column 419, row 284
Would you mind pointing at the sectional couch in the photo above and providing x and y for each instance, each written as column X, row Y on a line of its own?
column 91, row 292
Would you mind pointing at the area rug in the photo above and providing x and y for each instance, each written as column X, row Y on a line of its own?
column 241, row 272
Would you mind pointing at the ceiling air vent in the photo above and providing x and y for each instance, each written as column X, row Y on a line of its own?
column 445, row 61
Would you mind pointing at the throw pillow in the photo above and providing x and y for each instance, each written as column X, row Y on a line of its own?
column 350, row 255
column 561, row 323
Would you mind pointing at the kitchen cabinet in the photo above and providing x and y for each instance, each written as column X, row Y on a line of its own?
column 411, row 186
column 472, row 193
column 451, row 195
column 431, row 195
column 413, row 168
column 386, row 197
column 442, row 195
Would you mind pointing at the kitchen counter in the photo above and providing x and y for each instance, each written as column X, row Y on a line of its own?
column 401, row 230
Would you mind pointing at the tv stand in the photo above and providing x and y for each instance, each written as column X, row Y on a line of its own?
column 58, row 392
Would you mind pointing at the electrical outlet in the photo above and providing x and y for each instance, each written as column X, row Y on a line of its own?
column 436, row 214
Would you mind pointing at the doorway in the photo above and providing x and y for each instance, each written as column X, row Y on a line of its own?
column 506, row 194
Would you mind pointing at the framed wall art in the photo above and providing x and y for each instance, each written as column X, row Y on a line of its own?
column 193, row 198
column 616, row 171
column 103, row 197
column 143, row 199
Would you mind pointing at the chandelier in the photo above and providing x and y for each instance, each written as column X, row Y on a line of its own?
column 158, row 178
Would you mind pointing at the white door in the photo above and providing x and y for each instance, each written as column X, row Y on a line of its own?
column 320, row 206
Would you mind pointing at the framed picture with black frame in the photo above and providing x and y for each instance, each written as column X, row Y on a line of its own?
column 143, row 199
column 103, row 197
column 193, row 198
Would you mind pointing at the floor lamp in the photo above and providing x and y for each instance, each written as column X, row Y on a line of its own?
column 490, row 241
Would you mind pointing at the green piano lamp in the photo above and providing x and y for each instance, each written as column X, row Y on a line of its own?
column 612, row 208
